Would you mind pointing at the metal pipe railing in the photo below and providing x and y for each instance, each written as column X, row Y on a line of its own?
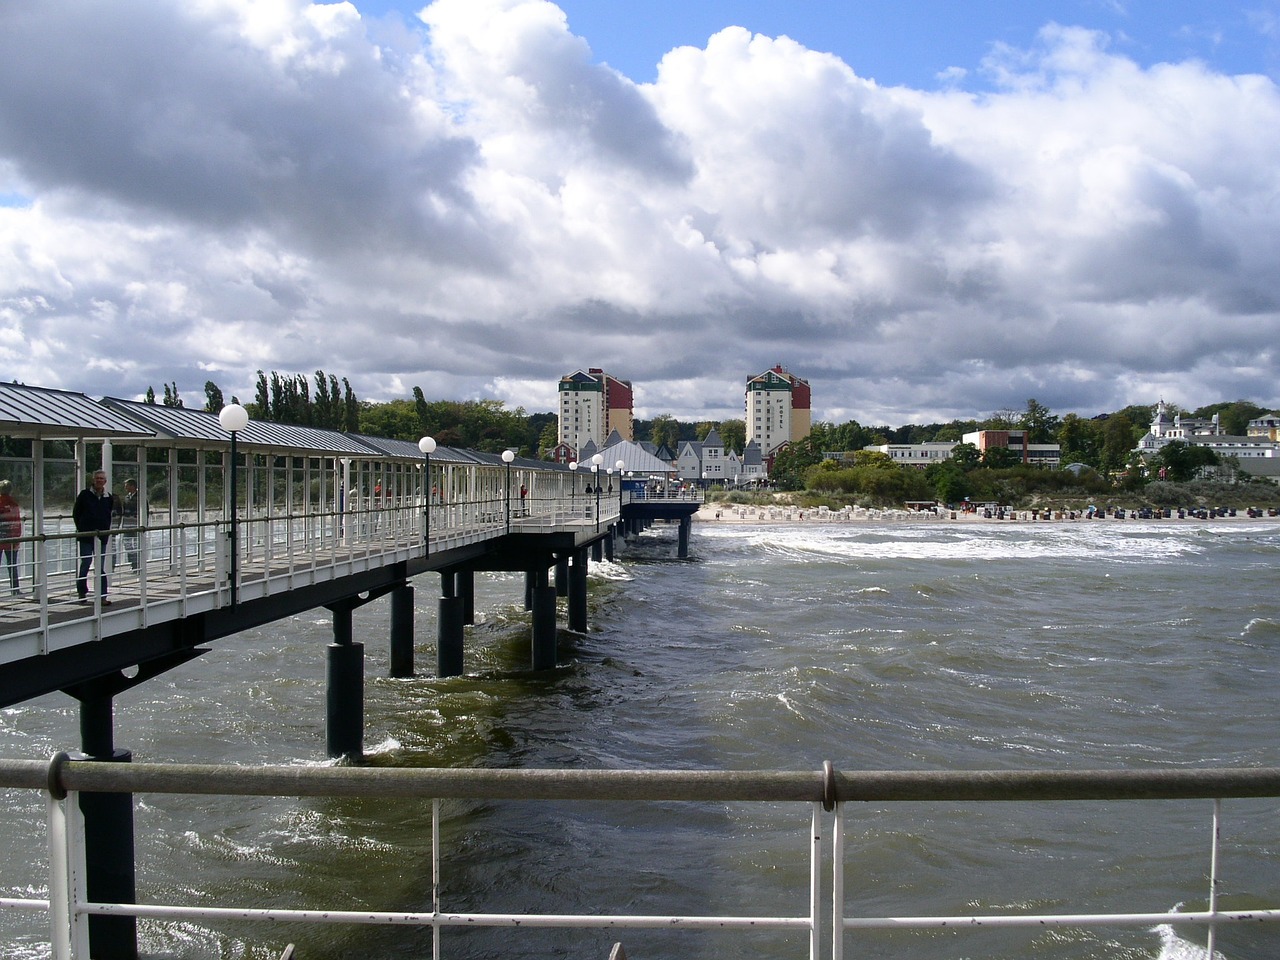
column 823, row 790
column 175, row 563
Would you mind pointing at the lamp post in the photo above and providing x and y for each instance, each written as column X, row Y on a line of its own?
column 596, row 460
column 620, row 465
column 507, row 457
column 428, row 446
column 573, row 479
column 234, row 418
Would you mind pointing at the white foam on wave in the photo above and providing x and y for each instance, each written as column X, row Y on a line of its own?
column 389, row 745
column 609, row 570
column 1173, row 947
column 1260, row 626
column 1020, row 541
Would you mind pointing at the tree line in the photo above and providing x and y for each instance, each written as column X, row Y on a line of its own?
column 1099, row 450
column 1103, row 443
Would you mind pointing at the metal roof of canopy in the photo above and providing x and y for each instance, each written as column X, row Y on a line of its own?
column 408, row 450
column 40, row 413
column 199, row 428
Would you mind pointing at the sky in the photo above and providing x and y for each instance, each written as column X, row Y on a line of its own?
column 929, row 209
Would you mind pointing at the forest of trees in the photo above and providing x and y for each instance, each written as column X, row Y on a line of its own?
column 1103, row 443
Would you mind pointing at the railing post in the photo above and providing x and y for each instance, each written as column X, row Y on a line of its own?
column 815, row 884
column 837, row 884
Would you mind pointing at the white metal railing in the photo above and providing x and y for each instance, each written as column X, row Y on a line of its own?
column 163, row 571
column 69, row 909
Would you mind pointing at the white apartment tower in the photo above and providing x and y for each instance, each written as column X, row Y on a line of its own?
column 778, row 410
column 592, row 405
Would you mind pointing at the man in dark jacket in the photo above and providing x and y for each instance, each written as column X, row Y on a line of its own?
column 92, row 514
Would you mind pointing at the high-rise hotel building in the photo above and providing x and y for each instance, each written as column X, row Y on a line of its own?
column 777, row 409
column 593, row 405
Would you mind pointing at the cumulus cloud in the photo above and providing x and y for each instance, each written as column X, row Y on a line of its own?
column 470, row 203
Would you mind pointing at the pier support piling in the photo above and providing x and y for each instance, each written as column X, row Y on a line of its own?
column 344, row 698
column 682, row 546
column 544, row 626
column 402, row 631
column 466, row 580
column 449, row 629
column 578, row 592
column 108, row 838
column 562, row 576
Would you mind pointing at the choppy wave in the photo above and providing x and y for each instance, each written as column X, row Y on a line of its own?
column 972, row 542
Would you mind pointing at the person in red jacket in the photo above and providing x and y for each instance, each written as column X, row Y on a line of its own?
column 10, row 532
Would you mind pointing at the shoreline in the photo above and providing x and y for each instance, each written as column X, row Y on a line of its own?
column 727, row 513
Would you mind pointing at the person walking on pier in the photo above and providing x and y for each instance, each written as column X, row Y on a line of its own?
column 10, row 532
column 129, row 522
column 92, row 514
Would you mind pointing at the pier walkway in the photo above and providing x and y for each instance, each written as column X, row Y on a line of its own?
column 318, row 518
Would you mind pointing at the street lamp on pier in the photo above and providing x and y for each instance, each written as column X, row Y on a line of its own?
column 428, row 446
column 620, row 465
column 596, row 460
column 573, row 479
column 234, row 418
column 507, row 457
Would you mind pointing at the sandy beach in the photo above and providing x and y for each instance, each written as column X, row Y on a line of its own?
column 752, row 513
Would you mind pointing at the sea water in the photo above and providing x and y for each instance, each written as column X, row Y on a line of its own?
column 930, row 645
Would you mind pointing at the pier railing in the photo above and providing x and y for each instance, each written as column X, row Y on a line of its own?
column 826, row 792
column 163, row 571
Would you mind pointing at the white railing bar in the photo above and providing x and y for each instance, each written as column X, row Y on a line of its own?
column 1195, row 918
column 156, row 911
column 1213, row 873
column 16, row 903
column 435, row 877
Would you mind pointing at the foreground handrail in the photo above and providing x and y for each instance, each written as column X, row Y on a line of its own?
column 64, row 777
column 827, row 785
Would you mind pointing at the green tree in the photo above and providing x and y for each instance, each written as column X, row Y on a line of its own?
column 1118, row 441
column 949, row 482
column 998, row 457
column 150, row 397
column 261, row 399
column 1180, row 461
column 1039, row 422
column 1233, row 417
column 966, row 456
column 665, row 430
column 793, row 460
column 350, row 408
column 396, row 420
column 171, row 398
column 548, row 440
column 1080, row 440
column 734, row 435
column 212, row 397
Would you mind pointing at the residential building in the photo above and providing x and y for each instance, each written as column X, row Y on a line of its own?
column 778, row 410
column 1267, row 427
column 918, row 455
column 593, row 404
column 1258, row 453
column 1019, row 441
